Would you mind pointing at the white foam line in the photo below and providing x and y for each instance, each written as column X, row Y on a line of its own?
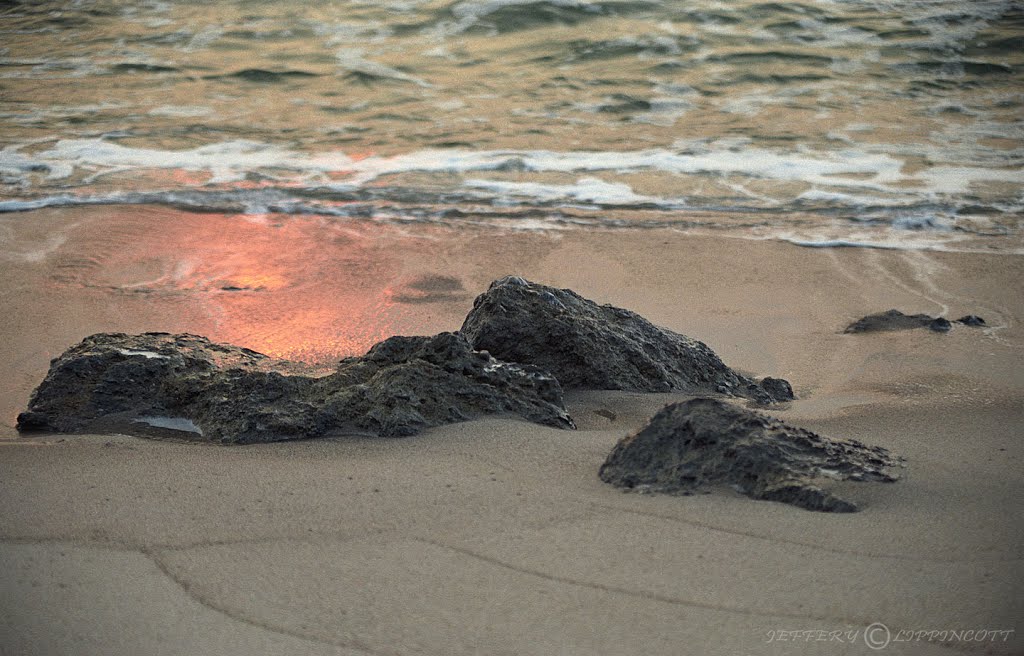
column 841, row 243
column 740, row 189
column 726, row 162
column 958, row 179
column 854, row 200
column 917, row 245
column 590, row 190
column 181, row 110
column 822, row 168
column 230, row 161
column 38, row 203
column 226, row 162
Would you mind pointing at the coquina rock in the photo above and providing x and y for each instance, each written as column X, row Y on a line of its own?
column 892, row 320
column 226, row 394
column 702, row 443
column 591, row 346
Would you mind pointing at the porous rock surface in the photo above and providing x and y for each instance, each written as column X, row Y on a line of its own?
column 891, row 320
column 591, row 346
column 701, row 443
column 226, row 394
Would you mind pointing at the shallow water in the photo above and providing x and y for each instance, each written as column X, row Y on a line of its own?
column 862, row 122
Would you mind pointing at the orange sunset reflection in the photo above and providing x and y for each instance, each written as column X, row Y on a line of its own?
column 306, row 288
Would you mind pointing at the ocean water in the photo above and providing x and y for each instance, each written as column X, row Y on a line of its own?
column 880, row 123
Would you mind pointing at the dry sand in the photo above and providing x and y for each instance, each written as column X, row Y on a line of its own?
column 496, row 536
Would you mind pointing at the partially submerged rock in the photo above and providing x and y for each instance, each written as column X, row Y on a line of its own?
column 701, row 443
column 226, row 394
column 895, row 320
column 591, row 346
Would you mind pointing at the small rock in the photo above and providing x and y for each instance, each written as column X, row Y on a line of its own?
column 891, row 320
column 688, row 447
column 777, row 388
column 971, row 320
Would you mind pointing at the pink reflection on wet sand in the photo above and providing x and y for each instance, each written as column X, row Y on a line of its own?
column 305, row 288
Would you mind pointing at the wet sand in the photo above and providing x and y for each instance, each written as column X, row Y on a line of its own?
column 496, row 536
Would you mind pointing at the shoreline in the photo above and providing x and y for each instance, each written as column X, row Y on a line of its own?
column 496, row 534
column 313, row 290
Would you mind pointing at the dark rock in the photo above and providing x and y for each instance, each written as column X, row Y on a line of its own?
column 691, row 446
column 891, row 320
column 777, row 388
column 971, row 320
column 227, row 394
column 591, row 346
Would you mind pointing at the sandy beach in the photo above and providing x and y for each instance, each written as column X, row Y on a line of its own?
column 496, row 536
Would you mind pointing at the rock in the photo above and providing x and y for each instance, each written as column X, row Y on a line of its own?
column 895, row 320
column 971, row 320
column 591, row 346
column 704, row 442
column 227, row 394
column 777, row 388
